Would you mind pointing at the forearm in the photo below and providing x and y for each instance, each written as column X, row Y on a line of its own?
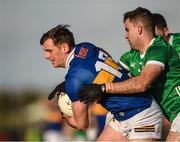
column 132, row 85
column 136, row 84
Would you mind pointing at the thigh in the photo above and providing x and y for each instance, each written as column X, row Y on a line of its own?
column 109, row 134
column 174, row 134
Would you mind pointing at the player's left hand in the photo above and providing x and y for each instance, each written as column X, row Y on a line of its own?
column 58, row 89
column 91, row 93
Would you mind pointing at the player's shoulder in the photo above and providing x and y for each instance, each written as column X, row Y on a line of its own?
column 128, row 55
column 159, row 41
column 85, row 45
column 84, row 49
column 159, row 44
column 175, row 34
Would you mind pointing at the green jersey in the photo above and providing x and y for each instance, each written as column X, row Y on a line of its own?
column 174, row 40
column 166, row 88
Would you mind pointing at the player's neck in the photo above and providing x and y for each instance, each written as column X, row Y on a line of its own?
column 145, row 44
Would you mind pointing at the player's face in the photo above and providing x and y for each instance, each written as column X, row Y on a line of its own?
column 159, row 31
column 54, row 53
column 130, row 33
column 163, row 32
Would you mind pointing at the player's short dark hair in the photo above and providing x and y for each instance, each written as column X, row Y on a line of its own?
column 142, row 15
column 59, row 34
column 159, row 21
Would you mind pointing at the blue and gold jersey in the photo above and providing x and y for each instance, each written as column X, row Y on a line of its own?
column 88, row 64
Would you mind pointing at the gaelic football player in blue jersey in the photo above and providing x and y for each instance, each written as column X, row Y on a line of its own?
column 134, row 117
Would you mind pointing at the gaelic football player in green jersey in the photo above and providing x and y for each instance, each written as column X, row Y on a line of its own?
column 161, row 28
column 154, row 65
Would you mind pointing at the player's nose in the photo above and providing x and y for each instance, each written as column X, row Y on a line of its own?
column 47, row 56
column 126, row 35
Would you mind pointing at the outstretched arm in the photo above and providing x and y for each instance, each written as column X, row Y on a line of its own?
column 136, row 84
column 139, row 84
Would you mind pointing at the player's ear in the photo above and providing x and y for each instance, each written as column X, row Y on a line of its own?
column 65, row 48
column 139, row 29
column 166, row 31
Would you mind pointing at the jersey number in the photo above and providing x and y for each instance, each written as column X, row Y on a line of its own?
column 106, row 67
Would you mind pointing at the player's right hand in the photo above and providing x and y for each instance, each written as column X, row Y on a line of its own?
column 58, row 89
column 91, row 93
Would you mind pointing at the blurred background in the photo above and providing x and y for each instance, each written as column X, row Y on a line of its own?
column 26, row 78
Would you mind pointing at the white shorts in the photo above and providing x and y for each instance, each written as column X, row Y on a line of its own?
column 146, row 124
column 175, row 126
